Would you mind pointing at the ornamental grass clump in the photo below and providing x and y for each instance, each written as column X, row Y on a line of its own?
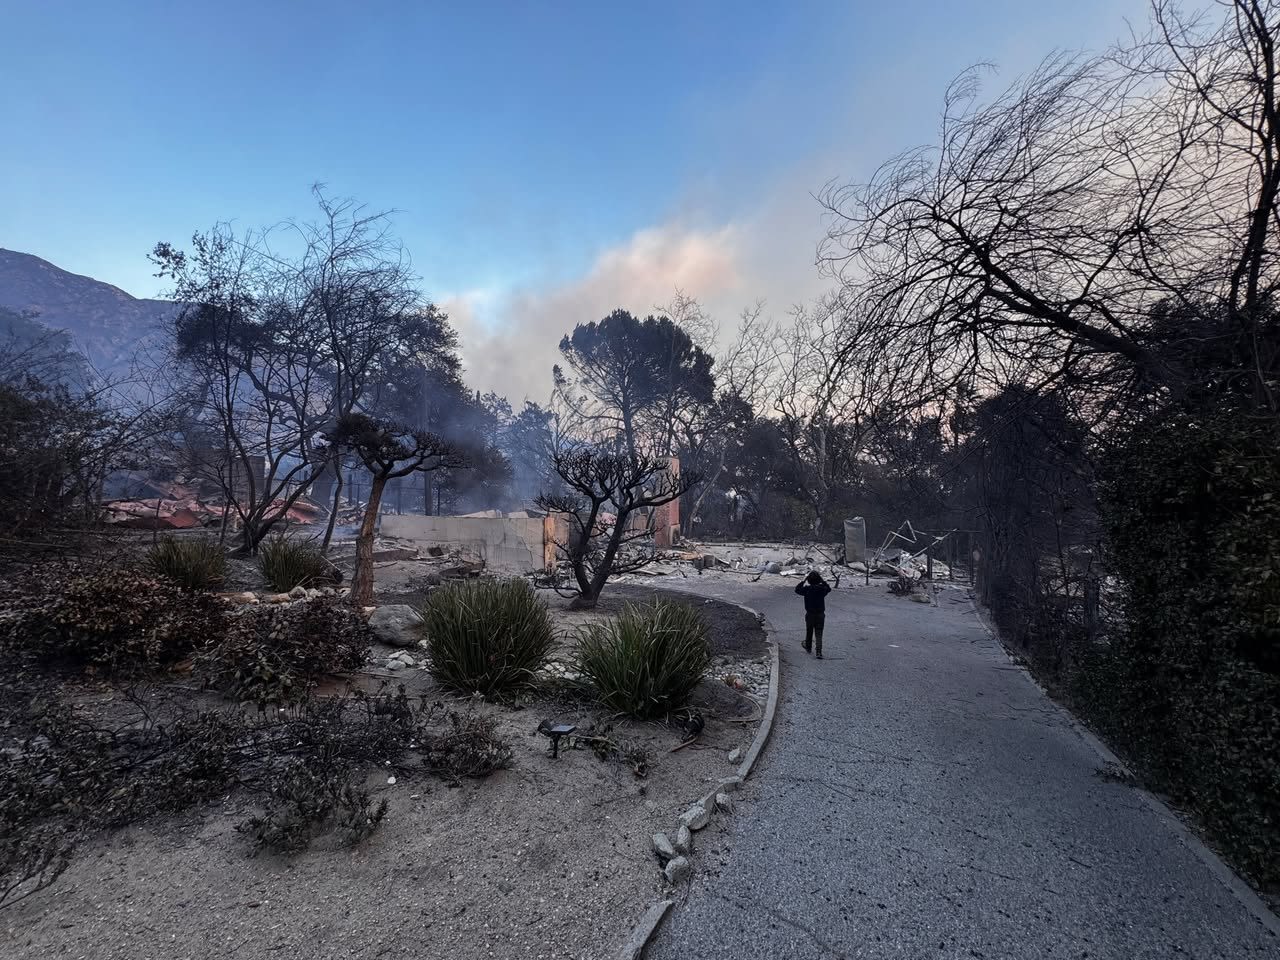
column 293, row 563
column 647, row 661
column 194, row 565
column 490, row 637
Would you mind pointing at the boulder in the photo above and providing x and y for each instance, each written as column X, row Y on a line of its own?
column 724, row 802
column 735, row 754
column 684, row 841
column 298, row 593
column 396, row 624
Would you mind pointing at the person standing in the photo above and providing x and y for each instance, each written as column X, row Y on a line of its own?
column 814, row 590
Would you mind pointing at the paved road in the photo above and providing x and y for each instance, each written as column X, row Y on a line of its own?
column 921, row 799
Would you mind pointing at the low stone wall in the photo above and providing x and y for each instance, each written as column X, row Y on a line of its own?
column 514, row 545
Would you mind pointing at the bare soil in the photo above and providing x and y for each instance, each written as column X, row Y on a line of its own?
column 551, row 858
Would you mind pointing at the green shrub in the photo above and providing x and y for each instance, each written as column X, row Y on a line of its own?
column 490, row 637
column 293, row 563
column 1188, row 688
column 118, row 620
column 646, row 661
column 192, row 564
column 275, row 653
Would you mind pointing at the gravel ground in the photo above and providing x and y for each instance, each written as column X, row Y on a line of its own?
column 548, row 859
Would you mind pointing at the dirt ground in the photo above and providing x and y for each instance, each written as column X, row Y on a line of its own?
column 550, row 858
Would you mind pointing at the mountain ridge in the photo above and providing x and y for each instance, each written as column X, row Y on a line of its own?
column 109, row 326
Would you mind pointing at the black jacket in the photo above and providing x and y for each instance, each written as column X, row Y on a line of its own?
column 815, row 596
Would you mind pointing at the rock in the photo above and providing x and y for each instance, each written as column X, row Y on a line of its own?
column 298, row 593
column 433, row 579
column 696, row 817
column 773, row 566
column 677, row 870
column 404, row 658
column 315, row 594
column 684, row 841
column 276, row 598
column 730, row 784
column 735, row 754
column 396, row 624
column 395, row 664
column 724, row 802
column 663, row 848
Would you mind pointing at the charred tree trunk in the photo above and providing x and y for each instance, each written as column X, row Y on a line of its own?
column 333, row 509
column 362, row 578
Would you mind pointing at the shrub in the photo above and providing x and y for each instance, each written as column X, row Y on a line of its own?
column 293, row 563
column 302, row 801
column 470, row 747
column 646, row 661
column 113, row 619
column 275, row 653
column 192, row 564
column 490, row 637
column 1189, row 687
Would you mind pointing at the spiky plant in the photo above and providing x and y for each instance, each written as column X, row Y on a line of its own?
column 646, row 661
column 292, row 563
column 486, row 636
column 193, row 565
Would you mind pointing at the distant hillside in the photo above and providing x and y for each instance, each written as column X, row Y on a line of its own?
column 103, row 321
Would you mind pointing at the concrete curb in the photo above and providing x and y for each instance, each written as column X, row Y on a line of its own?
column 1224, row 874
column 653, row 917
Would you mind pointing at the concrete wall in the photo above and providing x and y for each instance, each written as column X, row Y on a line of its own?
column 514, row 545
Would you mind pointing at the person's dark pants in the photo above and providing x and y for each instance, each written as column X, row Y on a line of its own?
column 813, row 624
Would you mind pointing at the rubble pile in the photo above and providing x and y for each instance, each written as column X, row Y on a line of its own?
column 180, row 505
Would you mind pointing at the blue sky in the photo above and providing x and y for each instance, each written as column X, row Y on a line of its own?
column 532, row 151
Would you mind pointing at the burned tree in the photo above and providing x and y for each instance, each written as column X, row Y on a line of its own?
column 276, row 350
column 601, row 483
column 388, row 451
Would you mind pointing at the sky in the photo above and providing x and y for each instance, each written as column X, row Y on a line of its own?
column 546, row 162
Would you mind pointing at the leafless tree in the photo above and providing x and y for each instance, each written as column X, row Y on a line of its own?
column 605, row 489
column 1040, row 239
column 707, row 433
column 283, row 334
column 829, row 398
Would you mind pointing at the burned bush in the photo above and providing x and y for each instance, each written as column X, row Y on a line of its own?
column 303, row 801
column 114, row 620
column 65, row 774
column 469, row 747
column 275, row 654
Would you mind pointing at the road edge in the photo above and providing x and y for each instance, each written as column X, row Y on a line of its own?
column 1244, row 894
column 652, row 918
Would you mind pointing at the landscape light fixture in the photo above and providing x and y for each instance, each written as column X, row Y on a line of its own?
column 554, row 731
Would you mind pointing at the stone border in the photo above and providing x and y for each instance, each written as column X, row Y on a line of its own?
column 1243, row 893
column 710, row 802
